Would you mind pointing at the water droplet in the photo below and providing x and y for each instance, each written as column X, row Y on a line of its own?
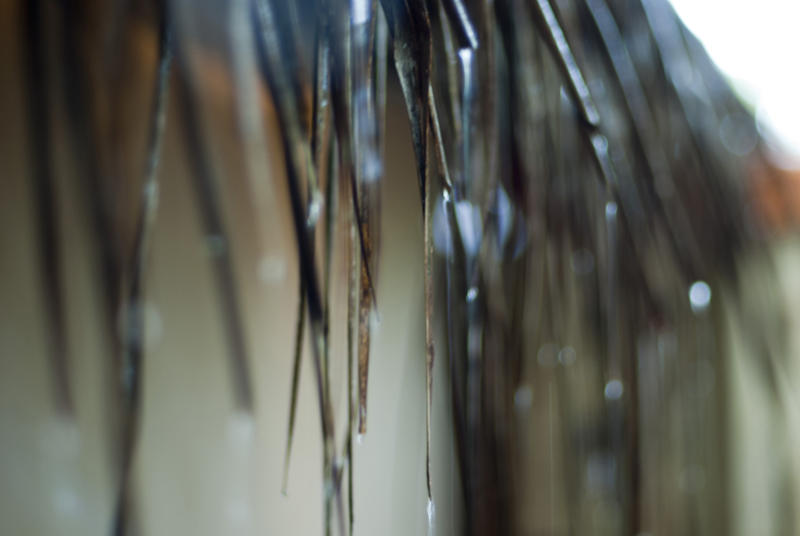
column 430, row 510
column 547, row 356
column 699, row 296
column 523, row 397
column 566, row 356
column 442, row 236
column 469, row 223
column 151, row 191
column 339, row 464
column 611, row 209
column 375, row 320
column 472, row 294
column 505, row 216
column 600, row 143
column 582, row 262
column 360, row 10
column 613, row 390
column 360, row 439
column 314, row 209
column 474, row 343
column 738, row 133
column 373, row 167
column 601, row 472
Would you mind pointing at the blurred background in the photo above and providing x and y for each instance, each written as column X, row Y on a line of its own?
column 626, row 385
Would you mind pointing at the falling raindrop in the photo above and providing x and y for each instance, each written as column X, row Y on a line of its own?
column 314, row 209
column 430, row 510
column 472, row 294
column 566, row 356
column 468, row 217
column 613, row 390
column 699, row 296
column 548, row 355
column 523, row 397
